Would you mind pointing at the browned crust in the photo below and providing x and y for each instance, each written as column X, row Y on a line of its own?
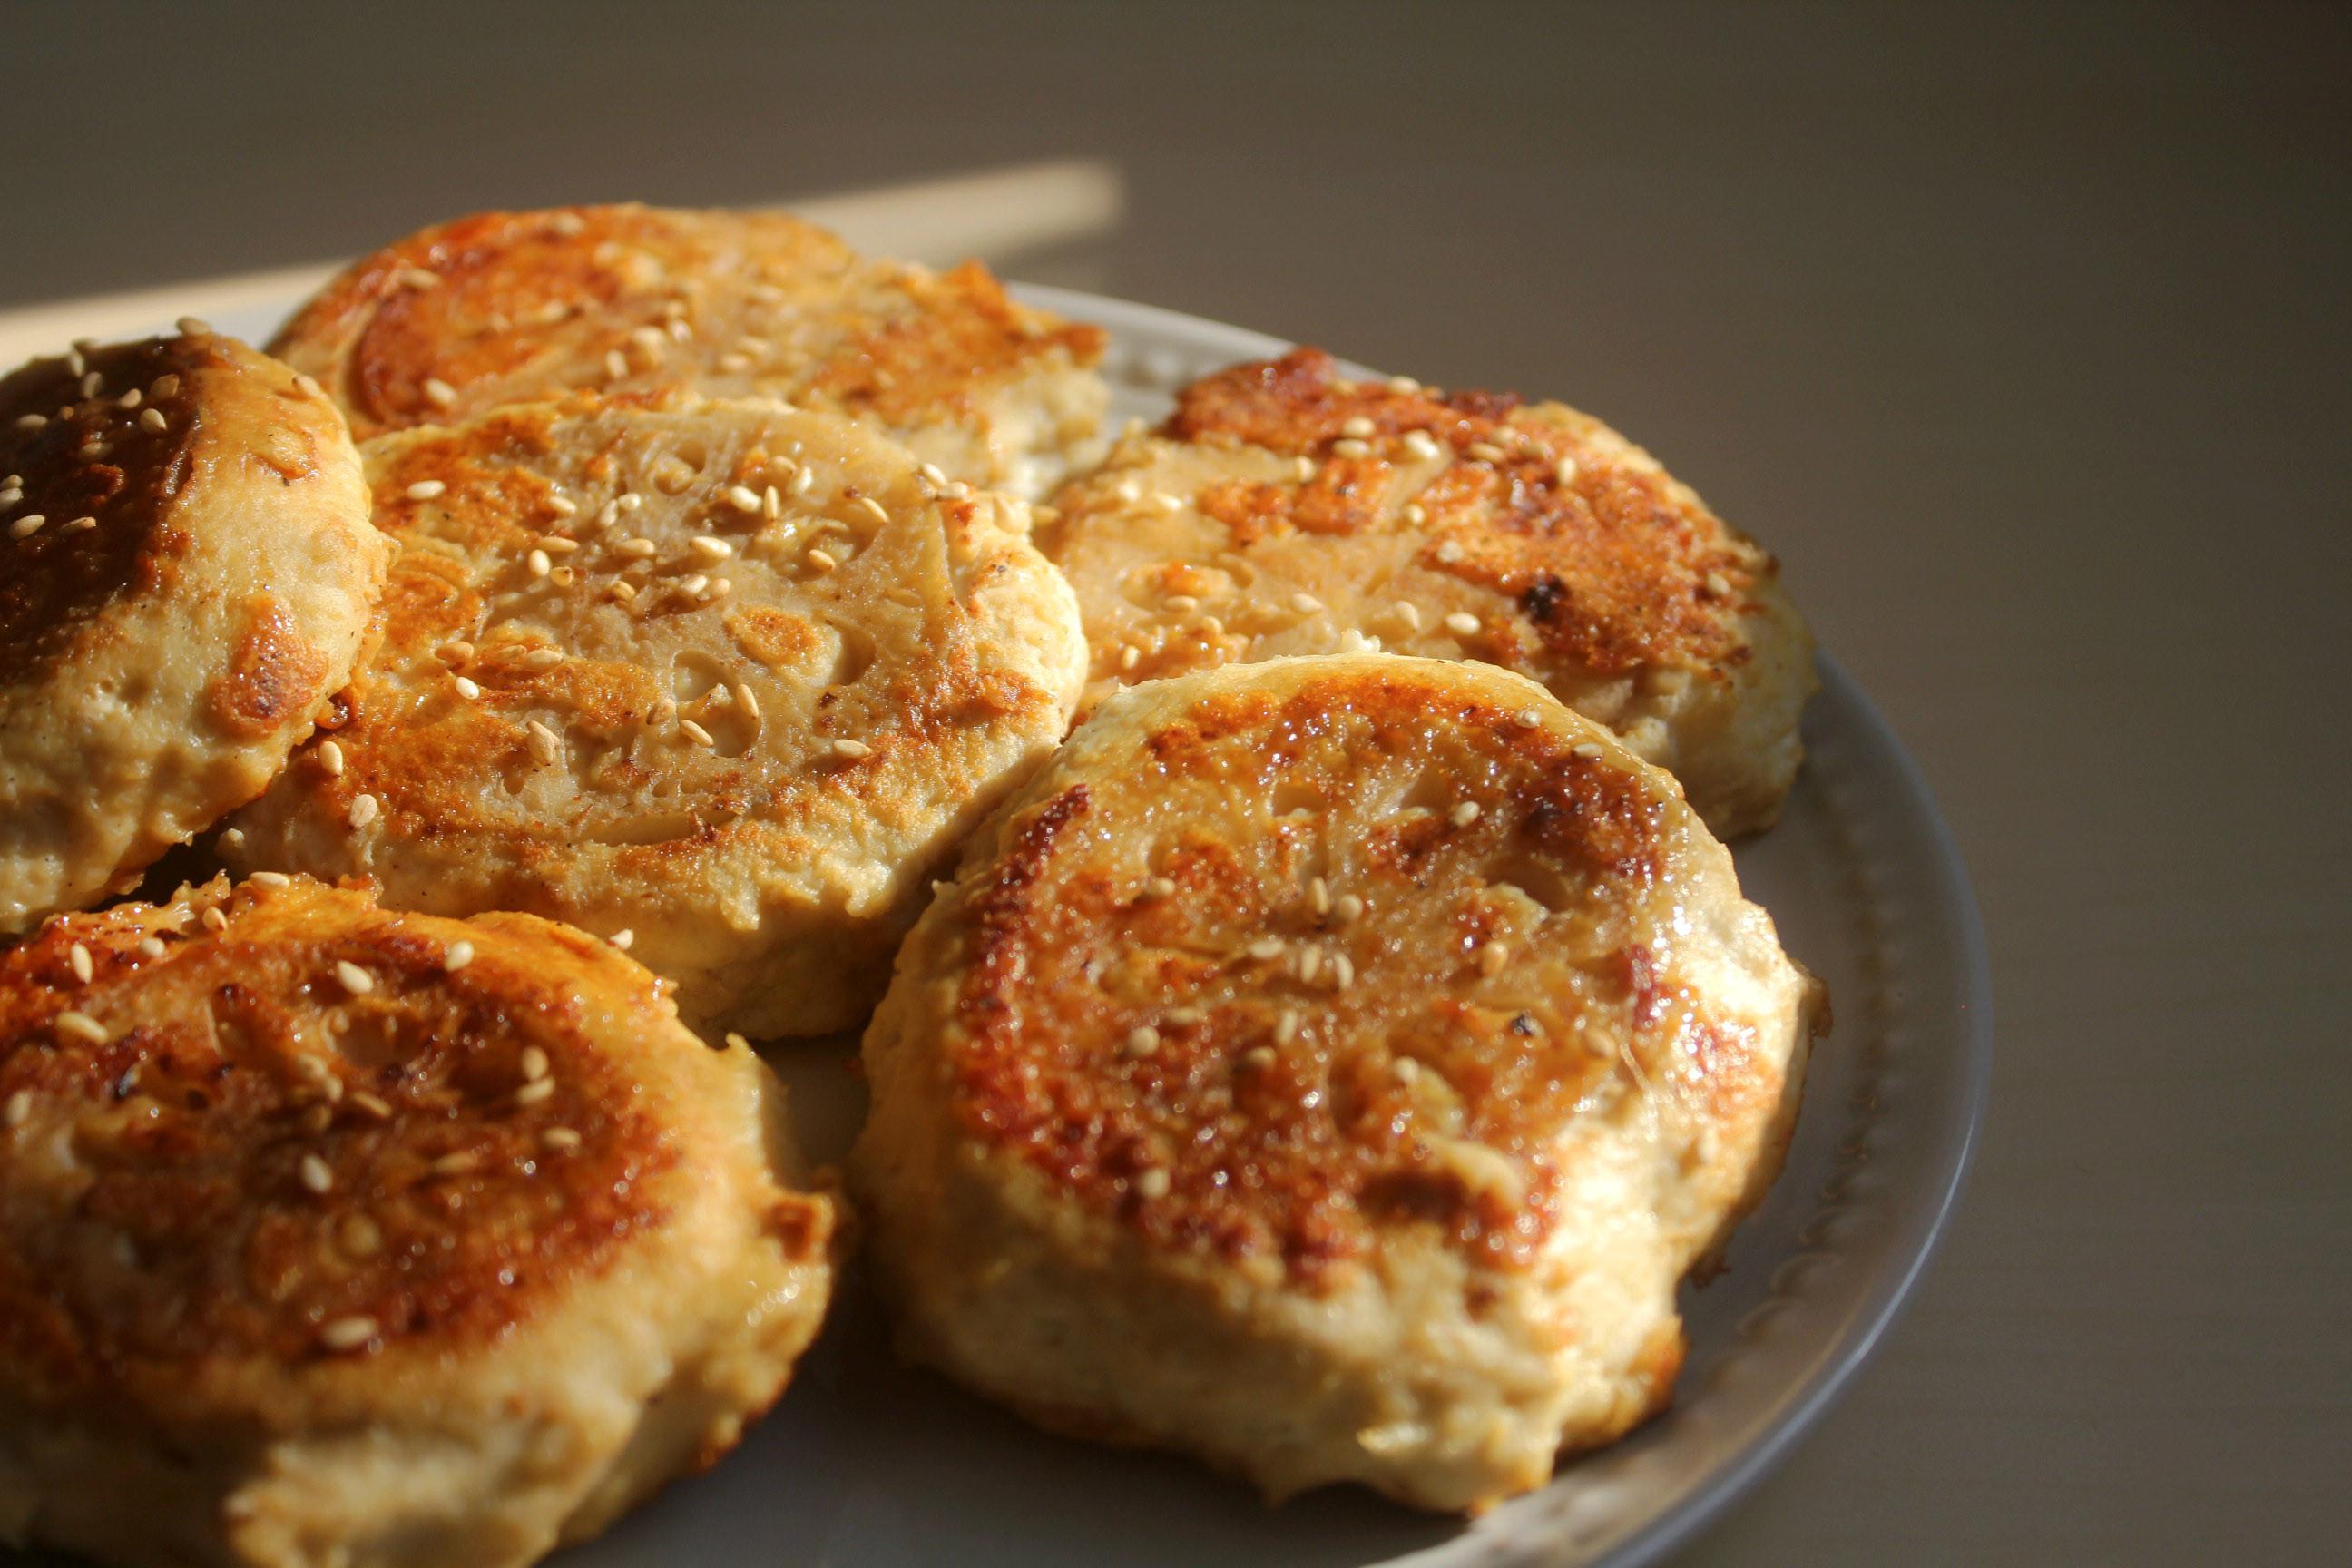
column 1303, row 1159
column 239, row 1070
column 1608, row 562
column 502, row 306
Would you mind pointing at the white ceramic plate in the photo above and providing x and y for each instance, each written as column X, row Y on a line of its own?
column 866, row 1465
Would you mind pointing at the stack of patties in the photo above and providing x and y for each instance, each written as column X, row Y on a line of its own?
column 398, row 1222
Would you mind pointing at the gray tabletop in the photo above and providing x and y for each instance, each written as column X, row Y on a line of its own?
column 2020, row 334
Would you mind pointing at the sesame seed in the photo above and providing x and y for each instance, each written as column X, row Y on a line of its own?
column 556, row 544
column 821, row 560
column 1421, row 445
column 439, row 393
column 544, row 745
column 1565, row 471
column 1151, row 1182
column 696, row 732
column 454, row 1165
column 353, row 978
column 1129, row 657
column 534, row 1063
column 846, row 747
column 568, row 224
column 426, row 489
column 151, row 420
column 1466, row 813
column 1485, row 451
column 348, row 1333
column 1357, row 427
column 215, row 920
column 1587, row 750
column 623, row 592
column 872, row 508
column 360, row 1236
column 771, row 503
column 1182, row 604
column 1267, row 948
column 458, row 954
column 640, row 547
column 1286, row 1028
column 78, row 958
column 150, row 947
column 1718, row 585
column 1492, row 957
column 563, row 505
column 748, row 701
column 93, row 449
column 1160, row 887
column 466, row 688
column 1462, row 623
column 1184, row 1017
column 535, row 1092
column 1350, row 448
column 1258, row 1057
column 711, row 547
column 1526, row 717
column 330, row 758
column 1143, row 1040
column 560, row 1141
column 304, row 383
column 455, row 651
column 743, row 498
column 1343, row 971
column 1318, row 895
column 1310, row 962
column 1404, row 1070
column 1305, row 603
column 317, row 1174
column 624, row 939
column 1414, row 513
column 31, row 421
column 19, row 1109
column 364, row 810
column 800, row 484
column 26, row 526
column 373, row 1106
column 271, row 878
column 1347, row 909
column 1403, row 385
column 538, row 564
column 81, row 524
column 616, row 364
column 82, row 1027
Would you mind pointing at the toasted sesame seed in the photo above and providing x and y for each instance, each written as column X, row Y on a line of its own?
column 1421, row 445
column 771, row 503
column 1404, row 1070
column 1310, row 962
column 150, row 947
column 1160, row 887
column 1258, row 1057
column 82, row 1027
column 616, row 364
column 19, row 1108
column 78, row 959
column 1305, row 603
column 1462, row 623
column 330, row 758
column 455, row 652
column 28, row 525
column 1151, row 1182
column 215, row 920
column 560, row 1141
column 1286, row 1028
column 563, row 505
column 696, row 733
column 743, row 498
column 1350, row 448
column 1466, row 813
column 1414, row 513
column 317, row 1174
column 366, row 808
column 749, row 701
column 270, row 879
column 1359, row 426
column 1450, row 553
column 458, row 954
column 81, row 524
column 640, row 547
column 846, row 747
column 151, row 420
column 1184, row 1017
column 31, row 421
column 1265, row 949
column 556, row 544
column 1143, row 1040
column 426, row 489
column 439, row 393
column 1402, row 385
column 454, row 1165
column 536, row 1092
column 1564, row 472
column 1318, row 895
column 545, row 747
column 1182, row 604
column 1347, row 909
column 801, row 483
column 711, row 547
column 360, row 1236
column 1343, row 971
column 466, row 688
column 872, row 508
column 1587, row 750
column 347, row 1333
column 1492, row 957
column 823, row 560
column 1129, row 657
column 353, row 978
column 1485, row 451
column 1718, row 585
column 533, row 1063
column 1302, row 469
column 538, row 564
column 624, row 939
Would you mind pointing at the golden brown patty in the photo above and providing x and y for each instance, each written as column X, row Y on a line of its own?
column 328, row 1234
column 502, row 306
column 729, row 677
column 186, row 572
column 1329, row 1066
column 1286, row 510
